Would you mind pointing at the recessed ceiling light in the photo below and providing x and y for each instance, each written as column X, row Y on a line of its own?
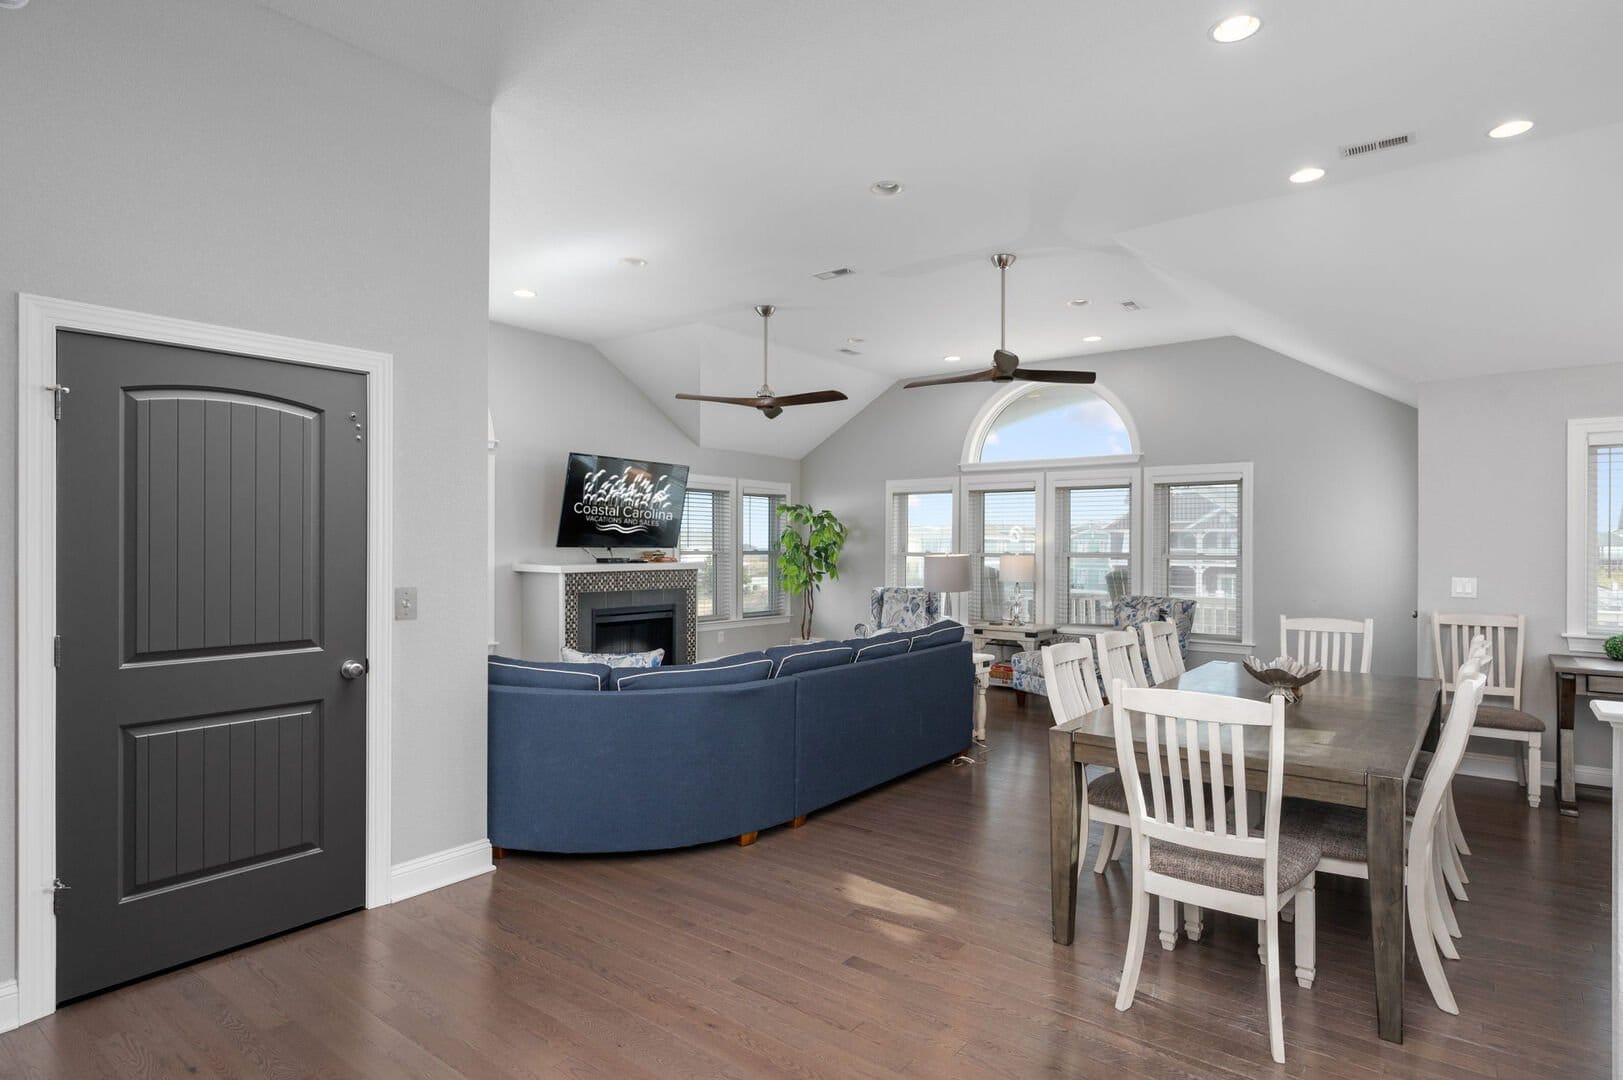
column 634, row 262
column 951, row 359
column 1077, row 303
column 1307, row 175
column 855, row 340
column 886, row 188
column 1510, row 129
column 524, row 294
column 1091, row 338
column 1235, row 28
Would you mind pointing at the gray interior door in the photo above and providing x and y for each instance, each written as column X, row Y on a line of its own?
column 211, row 583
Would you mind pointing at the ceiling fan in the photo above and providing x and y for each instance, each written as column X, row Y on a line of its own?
column 1006, row 365
column 770, row 404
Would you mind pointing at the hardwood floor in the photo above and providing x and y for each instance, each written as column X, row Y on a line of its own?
column 902, row 932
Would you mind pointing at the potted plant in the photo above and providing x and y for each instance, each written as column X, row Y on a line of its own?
column 808, row 553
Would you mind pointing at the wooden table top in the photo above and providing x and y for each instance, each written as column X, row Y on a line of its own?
column 1585, row 664
column 1346, row 726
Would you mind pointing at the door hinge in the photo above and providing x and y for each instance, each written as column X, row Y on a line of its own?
column 60, row 394
column 58, row 887
column 56, row 650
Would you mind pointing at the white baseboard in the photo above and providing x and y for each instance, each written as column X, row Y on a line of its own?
column 8, row 1004
column 1503, row 767
column 438, row 870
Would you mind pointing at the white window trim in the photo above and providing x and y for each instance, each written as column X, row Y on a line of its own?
column 753, row 487
column 1580, row 434
column 1224, row 472
column 969, row 459
column 1024, row 480
column 929, row 486
column 1100, row 477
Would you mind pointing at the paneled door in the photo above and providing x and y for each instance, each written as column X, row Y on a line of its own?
column 211, row 691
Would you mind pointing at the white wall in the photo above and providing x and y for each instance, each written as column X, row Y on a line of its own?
column 221, row 163
column 1493, row 506
column 1334, row 482
column 549, row 396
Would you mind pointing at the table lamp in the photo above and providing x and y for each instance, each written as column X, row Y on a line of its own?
column 947, row 575
column 1017, row 570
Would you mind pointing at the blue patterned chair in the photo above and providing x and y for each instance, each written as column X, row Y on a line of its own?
column 1128, row 613
column 905, row 608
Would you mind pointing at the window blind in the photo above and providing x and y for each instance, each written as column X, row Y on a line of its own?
column 920, row 525
column 999, row 522
column 1093, row 538
column 760, row 526
column 706, row 533
column 1196, row 552
column 1603, row 565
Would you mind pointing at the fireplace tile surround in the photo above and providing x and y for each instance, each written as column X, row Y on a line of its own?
column 553, row 594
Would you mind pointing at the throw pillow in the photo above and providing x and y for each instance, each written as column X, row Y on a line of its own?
column 743, row 668
column 881, row 645
column 945, row 632
column 794, row 659
column 510, row 671
column 614, row 660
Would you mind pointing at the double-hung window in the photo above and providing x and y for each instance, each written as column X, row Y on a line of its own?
column 706, row 535
column 1594, row 531
column 920, row 523
column 760, row 589
column 1093, row 529
column 1002, row 517
column 1198, row 531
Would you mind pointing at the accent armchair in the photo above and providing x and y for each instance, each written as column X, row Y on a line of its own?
column 895, row 607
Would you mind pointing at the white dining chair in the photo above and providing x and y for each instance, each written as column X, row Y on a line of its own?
column 1120, row 657
column 1450, row 634
column 1161, row 650
column 1329, row 642
column 1073, row 691
column 1340, row 832
column 1206, row 853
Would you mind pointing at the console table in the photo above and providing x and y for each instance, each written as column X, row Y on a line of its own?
column 1027, row 637
column 1591, row 677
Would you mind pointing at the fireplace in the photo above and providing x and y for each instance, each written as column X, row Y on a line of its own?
column 623, row 621
column 633, row 629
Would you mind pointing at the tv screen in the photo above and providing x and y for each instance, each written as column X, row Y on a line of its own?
column 618, row 502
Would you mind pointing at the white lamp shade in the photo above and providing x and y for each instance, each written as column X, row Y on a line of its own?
column 1017, row 569
column 948, row 573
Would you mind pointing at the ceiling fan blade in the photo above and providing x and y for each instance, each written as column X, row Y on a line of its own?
column 752, row 402
column 815, row 397
column 986, row 375
column 1040, row 375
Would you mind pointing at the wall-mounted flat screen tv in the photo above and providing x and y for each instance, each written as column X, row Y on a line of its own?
column 620, row 502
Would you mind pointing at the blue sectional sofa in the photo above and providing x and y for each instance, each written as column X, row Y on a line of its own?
column 652, row 767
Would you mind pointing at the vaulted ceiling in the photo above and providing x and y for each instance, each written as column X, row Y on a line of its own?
column 1116, row 148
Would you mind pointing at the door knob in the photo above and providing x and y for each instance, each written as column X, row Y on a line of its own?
column 352, row 669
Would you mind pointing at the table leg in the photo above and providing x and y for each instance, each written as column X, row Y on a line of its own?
column 1566, row 707
column 1064, row 832
column 982, row 677
column 1386, row 911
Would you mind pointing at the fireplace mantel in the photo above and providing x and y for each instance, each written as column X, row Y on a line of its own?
column 551, row 595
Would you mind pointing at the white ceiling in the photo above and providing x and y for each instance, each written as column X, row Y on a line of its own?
column 1114, row 147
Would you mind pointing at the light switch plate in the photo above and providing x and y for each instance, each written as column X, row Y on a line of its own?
column 405, row 602
column 1463, row 587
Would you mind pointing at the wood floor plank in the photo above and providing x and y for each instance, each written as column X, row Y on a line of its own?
column 900, row 933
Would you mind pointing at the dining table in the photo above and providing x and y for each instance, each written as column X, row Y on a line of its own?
column 1351, row 739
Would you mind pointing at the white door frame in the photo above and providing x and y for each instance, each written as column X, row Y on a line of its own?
column 38, row 320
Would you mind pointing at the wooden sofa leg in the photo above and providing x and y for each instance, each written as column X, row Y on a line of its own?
column 798, row 822
column 748, row 838
column 498, row 852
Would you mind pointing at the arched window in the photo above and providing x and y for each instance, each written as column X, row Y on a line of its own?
column 1049, row 422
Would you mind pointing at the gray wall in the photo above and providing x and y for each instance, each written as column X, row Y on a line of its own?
column 550, row 395
column 1334, row 491
column 221, row 163
column 1493, row 506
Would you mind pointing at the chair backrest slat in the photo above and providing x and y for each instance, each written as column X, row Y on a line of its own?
column 1071, row 680
column 1178, row 727
column 1120, row 657
column 1161, row 650
column 1334, row 644
column 1505, row 639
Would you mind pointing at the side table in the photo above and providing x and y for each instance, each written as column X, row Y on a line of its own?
column 1588, row 676
column 983, row 676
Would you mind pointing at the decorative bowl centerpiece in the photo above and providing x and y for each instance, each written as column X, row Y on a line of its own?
column 1283, row 674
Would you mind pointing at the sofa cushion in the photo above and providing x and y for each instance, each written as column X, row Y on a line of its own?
column 650, row 659
column 945, row 632
column 743, row 668
column 809, row 656
column 510, row 671
column 879, row 645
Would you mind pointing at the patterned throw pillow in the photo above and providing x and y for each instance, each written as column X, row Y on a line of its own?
column 613, row 660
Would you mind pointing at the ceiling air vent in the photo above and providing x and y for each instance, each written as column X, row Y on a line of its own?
column 1131, row 305
column 830, row 275
column 1390, row 143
